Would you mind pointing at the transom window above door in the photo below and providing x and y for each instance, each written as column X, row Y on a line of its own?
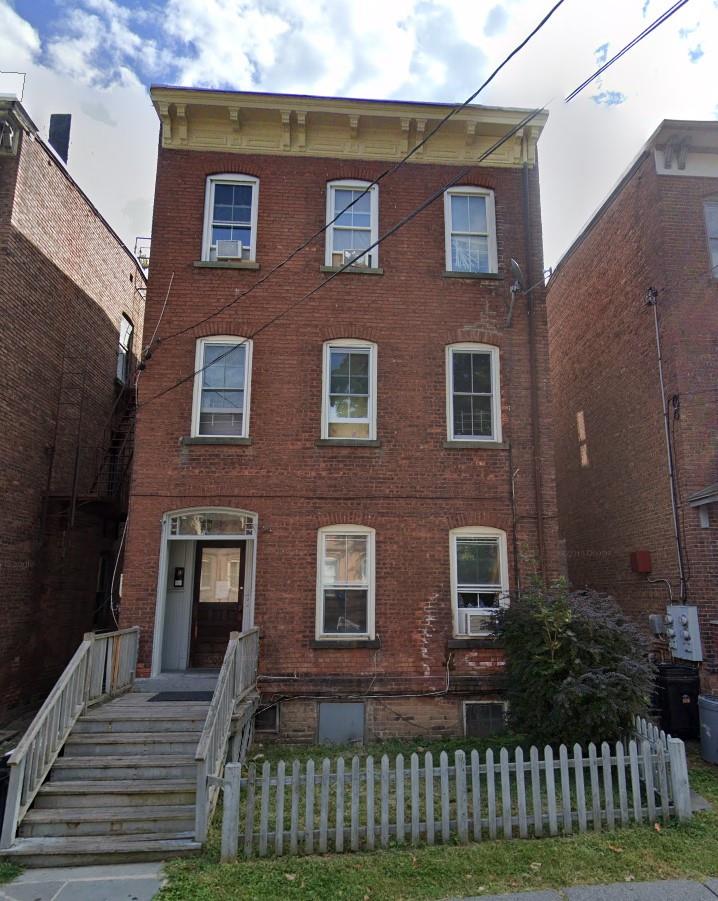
column 356, row 212
column 473, row 393
column 349, row 401
column 221, row 389
column 230, row 228
column 470, row 224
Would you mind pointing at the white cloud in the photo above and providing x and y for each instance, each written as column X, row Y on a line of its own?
column 99, row 54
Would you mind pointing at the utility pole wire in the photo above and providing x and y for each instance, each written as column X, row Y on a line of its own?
column 390, row 171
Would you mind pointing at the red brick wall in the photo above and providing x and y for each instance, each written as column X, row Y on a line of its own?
column 66, row 282
column 604, row 362
column 411, row 489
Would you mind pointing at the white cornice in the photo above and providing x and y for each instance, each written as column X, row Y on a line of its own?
column 336, row 127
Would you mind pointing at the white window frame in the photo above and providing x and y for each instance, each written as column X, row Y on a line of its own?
column 353, row 184
column 197, row 390
column 710, row 202
column 490, row 224
column 124, row 350
column 477, row 532
column 232, row 179
column 346, row 529
column 348, row 344
column 493, row 351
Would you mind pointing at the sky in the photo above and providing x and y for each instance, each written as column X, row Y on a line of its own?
column 96, row 59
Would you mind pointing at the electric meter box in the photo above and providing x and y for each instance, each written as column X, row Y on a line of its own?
column 684, row 638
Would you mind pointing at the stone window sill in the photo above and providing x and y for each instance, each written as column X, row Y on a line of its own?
column 225, row 264
column 472, row 643
column 352, row 270
column 327, row 644
column 210, row 439
column 347, row 442
column 477, row 445
column 491, row 276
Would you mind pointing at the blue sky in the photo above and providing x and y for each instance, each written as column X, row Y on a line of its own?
column 95, row 59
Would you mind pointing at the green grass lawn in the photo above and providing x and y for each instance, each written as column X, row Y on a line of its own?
column 8, row 871
column 634, row 853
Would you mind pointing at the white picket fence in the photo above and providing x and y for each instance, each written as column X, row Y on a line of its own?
column 363, row 804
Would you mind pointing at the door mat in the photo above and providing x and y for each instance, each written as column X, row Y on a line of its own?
column 181, row 696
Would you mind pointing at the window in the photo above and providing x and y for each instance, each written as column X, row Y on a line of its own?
column 711, row 213
column 345, row 582
column 230, row 218
column 221, row 392
column 473, row 393
column 349, row 396
column 354, row 229
column 479, row 578
column 470, row 224
column 124, row 350
column 482, row 719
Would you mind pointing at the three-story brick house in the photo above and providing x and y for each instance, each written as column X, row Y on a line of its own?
column 367, row 474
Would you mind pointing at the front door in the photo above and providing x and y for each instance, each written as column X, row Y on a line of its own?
column 217, row 601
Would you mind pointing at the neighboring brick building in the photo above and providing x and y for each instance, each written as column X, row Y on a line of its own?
column 68, row 285
column 345, row 501
column 658, row 229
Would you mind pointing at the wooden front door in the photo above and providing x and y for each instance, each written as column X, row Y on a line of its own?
column 217, row 601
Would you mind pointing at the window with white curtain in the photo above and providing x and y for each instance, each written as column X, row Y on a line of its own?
column 345, row 582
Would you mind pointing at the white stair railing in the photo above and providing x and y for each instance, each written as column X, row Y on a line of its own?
column 103, row 666
column 237, row 678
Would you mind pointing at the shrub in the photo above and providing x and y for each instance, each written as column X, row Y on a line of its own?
column 578, row 671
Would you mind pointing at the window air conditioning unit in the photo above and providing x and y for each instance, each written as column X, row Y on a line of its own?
column 478, row 624
column 229, row 250
column 342, row 257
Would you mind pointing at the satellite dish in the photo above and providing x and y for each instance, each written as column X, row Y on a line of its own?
column 517, row 274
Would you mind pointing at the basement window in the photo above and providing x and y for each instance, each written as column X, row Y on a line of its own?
column 266, row 719
column 482, row 719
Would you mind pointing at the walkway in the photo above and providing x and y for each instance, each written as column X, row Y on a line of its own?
column 117, row 882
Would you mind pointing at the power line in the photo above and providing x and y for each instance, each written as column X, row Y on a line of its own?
column 390, row 171
column 646, row 31
column 400, row 224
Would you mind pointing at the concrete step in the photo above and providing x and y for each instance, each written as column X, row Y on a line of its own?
column 140, row 767
column 134, row 720
column 118, row 821
column 120, row 793
column 115, row 744
column 87, row 850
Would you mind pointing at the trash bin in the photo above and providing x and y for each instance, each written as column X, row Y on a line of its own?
column 676, row 697
column 708, row 707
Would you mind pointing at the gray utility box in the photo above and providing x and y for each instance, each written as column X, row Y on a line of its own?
column 684, row 637
column 708, row 710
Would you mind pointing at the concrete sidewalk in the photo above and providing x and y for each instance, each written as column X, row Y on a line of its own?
column 668, row 890
column 111, row 882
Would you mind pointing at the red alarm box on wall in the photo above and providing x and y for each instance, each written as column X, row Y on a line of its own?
column 641, row 561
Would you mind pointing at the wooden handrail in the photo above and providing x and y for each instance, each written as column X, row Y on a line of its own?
column 103, row 666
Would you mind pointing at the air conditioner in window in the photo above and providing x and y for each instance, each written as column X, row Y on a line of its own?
column 342, row 257
column 229, row 250
column 479, row 624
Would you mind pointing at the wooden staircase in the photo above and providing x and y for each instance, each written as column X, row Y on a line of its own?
column 123, row 783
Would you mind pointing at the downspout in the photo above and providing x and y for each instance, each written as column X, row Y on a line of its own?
column 536, row 436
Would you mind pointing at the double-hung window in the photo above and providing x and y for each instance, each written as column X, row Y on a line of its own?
column 473, row 393
column 230, row 218
column 345, row 582
column 221, row 389
column 470, row 224
column 711, row 213
column 356, row 212
column 479, row 578
column 124, row 350
column 349, row 397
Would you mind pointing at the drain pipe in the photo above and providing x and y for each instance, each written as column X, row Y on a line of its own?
column 652, row 301
column 536, row 436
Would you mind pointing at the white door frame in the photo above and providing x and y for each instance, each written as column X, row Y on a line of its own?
column 161, row 598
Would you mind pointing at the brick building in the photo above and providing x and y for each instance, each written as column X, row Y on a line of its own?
column 658, row 229
column 72, row 301
column 394, row 483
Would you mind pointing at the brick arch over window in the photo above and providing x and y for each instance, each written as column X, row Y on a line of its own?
column 226, row 325
column 476, row 335
column 343, row 513
column 480, row 518
column 356, row 330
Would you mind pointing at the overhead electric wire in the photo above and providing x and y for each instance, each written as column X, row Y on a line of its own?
column 390, row 171
column 439, row 192
column 646, row 31
column 413, row 213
